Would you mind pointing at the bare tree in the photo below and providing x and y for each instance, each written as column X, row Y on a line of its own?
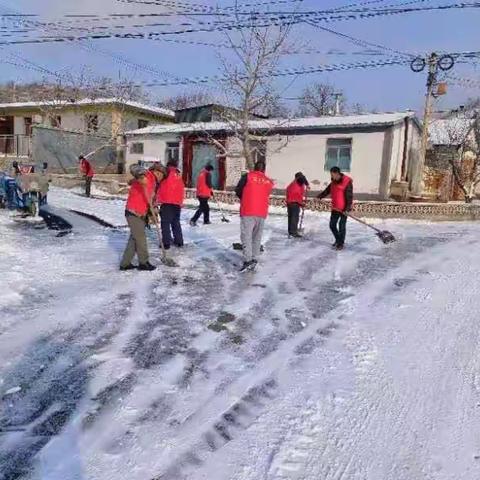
column 187, row 100
column 105, row 124
column 256, row 52
column 321, row 99
column 462, row 133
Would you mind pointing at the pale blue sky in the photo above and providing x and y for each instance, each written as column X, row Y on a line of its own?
column 386, row 89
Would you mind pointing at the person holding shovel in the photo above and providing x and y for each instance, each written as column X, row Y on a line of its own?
column 254, row 191
column 137, row 210
column 295, row 202
column 204, row 193
column 340, row 190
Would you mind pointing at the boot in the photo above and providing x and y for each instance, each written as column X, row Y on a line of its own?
column 192, row 223
column 127, row 267
column 147, row 267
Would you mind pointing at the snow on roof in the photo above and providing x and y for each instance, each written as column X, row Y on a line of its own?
column 449, row 131
column 374, row 119
column 92, row 101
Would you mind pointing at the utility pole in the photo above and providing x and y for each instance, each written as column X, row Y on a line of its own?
column 337, row 96
column 434, row 63
column 431, row 82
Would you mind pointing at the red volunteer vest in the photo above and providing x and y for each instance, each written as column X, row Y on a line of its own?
column 203, row 190
column 86, row 168
column 254, row 202
column 337, row 192
column 171, row 189
column 139, row 196
column 295, row 193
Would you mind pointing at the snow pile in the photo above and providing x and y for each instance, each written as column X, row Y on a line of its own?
column 322, row 365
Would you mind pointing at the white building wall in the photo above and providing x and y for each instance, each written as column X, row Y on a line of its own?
column 307, row 153
column 153, row 148
column 398, row 145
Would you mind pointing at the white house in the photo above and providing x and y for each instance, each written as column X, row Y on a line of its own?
column 379, row 151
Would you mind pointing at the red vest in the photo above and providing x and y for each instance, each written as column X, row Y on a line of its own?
column 254, row 202
column 139, row 195
column 203, row 190
column 86, row 168
column 171, row 189
column 295, row 193
column 337, row 192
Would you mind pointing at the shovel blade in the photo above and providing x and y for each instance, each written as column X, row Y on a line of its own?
column 169, row 262
column 386, row 237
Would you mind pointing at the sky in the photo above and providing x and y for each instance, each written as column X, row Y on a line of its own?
column 383, row 89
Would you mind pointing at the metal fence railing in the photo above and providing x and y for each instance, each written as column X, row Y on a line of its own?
column 15, row 145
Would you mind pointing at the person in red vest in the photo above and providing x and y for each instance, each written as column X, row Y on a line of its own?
column 170, row 196
column 204, row 193
column 86, row 170
column 341, row 192
column 295, row 194
column 253, row 190
column 137, row 210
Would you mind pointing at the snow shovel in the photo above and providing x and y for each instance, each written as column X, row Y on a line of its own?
column 300, row 227
column 384, row 235
column 224, row 219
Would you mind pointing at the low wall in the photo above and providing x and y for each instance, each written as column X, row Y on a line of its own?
column 117, row 185
column 110, row 183
column 411, row 211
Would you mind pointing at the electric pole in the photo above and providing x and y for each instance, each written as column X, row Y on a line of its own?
column 431, row 82
column 434, row 63
column 337, row 96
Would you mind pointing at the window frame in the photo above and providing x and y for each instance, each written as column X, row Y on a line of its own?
column 133, row 149
column 142, row 123
column 171, row 147
column 91, row 122
column 347, row 143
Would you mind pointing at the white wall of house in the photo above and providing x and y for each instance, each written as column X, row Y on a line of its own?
column 307, row 153
column 154, row 148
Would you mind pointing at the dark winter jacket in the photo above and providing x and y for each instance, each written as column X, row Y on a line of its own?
column 241, row 186
column 348, row 195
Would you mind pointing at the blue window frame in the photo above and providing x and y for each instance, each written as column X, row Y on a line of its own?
column 339, row 154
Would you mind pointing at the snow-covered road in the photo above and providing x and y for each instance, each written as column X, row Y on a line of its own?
column 358, row 365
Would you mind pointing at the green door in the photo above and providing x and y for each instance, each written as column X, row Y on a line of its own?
column 204, row 154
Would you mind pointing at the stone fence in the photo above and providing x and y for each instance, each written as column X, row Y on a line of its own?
column 116, row 185
column 373, row 209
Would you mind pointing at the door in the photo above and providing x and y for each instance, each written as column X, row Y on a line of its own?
column 204, row 154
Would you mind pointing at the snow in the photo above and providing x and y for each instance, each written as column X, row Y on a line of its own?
column 354, row 365
column 93, row 101
column 281, row 123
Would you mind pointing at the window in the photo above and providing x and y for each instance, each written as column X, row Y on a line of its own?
column 339, row 154
column 56, row 121
column 91, row 123
column 142, row 123
column 172, row 152
column 137, row 148
column 28, row 125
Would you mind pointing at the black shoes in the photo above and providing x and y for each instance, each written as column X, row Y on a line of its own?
column 147, row 267
column 127, row 267
column 192, row 223
column 249, row 266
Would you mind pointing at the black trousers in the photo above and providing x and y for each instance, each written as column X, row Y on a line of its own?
column 88, row 185
column 293, row 210
column 202, row 208
column 170, row 223
column 338, row 226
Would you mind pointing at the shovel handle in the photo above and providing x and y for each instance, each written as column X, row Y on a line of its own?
column 353, row 217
